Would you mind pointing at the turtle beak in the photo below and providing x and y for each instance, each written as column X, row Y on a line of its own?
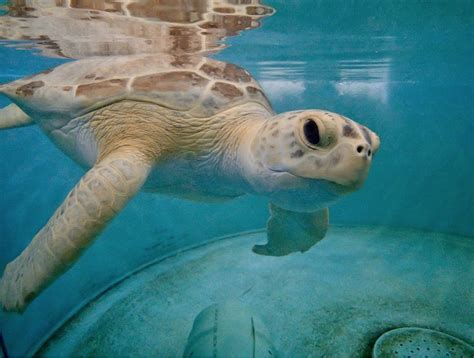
column 375, row 142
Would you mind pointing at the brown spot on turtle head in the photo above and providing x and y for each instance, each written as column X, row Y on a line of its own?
column 227, row 90
column 318, row 162
column 90, row 75
column 335, row 158
column 29, row 89
column 298, row 154
column 102, row 89
column 67, row 88
column 348, row 131
column 366, row 134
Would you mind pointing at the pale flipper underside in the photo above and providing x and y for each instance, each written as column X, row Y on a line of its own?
column 12, row 116
column 291, row 231
column 95, row 200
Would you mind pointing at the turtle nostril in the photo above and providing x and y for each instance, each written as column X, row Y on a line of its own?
column 369, row 152
column 360, row 149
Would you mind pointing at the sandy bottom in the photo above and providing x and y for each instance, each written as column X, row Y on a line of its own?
column 334, row 301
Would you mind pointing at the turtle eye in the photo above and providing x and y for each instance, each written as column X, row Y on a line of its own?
column 311, row 132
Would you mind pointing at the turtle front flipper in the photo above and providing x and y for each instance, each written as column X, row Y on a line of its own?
column 94, row 201
column 13, row 117
column 291, row 231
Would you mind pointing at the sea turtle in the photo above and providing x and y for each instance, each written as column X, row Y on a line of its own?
column 190, row 127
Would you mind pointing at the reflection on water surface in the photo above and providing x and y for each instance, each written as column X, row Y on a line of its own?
column 78, row 29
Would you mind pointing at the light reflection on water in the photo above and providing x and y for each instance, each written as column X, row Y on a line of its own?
column 78, row 29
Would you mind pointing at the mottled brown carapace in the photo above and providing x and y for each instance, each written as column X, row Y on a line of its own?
column 201, row 86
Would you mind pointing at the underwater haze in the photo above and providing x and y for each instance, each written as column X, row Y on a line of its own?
column 403, row 244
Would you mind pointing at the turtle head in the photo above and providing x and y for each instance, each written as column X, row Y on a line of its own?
column 317, row 145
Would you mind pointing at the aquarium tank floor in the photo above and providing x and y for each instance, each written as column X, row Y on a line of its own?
column 333, row 301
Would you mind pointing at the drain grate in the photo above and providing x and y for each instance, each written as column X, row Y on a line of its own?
column 412, row 342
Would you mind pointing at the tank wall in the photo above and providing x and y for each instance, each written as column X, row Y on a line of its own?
column 383, row 68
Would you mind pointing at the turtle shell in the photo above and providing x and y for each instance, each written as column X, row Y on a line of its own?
column 199, row 86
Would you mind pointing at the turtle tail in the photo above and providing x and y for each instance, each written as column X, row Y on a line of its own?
column 12, row 116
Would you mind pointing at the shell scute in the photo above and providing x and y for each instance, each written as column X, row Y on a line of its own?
column 108, row 88
column 226, row 71
column 177, row 89
column 169, row 82
column 226, row 90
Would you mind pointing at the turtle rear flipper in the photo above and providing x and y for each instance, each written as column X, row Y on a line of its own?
column 95, row 200
column 13, row 117
column 291, row 231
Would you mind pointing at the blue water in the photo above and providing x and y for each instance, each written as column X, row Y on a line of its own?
column 402, row 69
